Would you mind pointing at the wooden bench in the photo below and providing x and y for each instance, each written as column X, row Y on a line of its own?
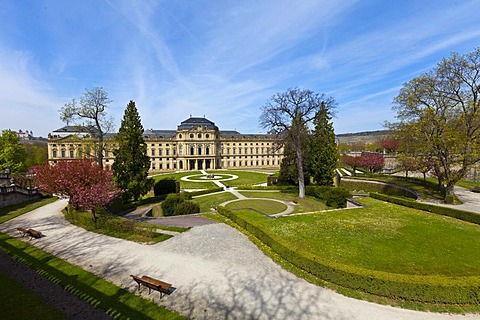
column 30, row 232
column 153, row 284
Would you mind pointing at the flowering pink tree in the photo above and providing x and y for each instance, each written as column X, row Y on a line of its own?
column 372, row 162
column 353, row 162
column 390, row 145
column 85, row 184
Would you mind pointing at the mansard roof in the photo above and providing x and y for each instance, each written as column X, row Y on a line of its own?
column 150, row 133
column 193, row 122
column 76, row 129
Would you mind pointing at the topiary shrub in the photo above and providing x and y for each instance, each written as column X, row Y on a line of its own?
column 169, row 205
column 187, row 207
column 166, row 186
column 332, row 196
column 177, row 204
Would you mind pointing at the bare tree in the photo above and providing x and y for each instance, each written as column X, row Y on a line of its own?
column 92, row 113
column 439, row 114
column 290, row 115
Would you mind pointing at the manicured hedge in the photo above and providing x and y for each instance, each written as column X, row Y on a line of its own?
column 425, row 289
column 444, row 211
column 384, row 188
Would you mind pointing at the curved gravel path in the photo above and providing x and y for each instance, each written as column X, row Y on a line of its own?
column 217, row 272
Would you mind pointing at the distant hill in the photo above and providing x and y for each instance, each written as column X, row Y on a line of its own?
column 363, row 137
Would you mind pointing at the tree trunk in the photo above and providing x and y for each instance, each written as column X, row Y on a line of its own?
column 301, row 176
column 449, row 193
column 94, row 217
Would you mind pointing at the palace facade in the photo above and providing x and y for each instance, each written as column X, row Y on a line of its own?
column 196, row 144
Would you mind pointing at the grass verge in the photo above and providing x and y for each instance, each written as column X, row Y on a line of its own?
column 17, row 302
column 118, row 227
column 117, row 302
column 11, row 212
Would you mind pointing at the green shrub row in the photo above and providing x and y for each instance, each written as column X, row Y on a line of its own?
column 333, row 197
column 384, row 188
column 444, row 211
column 166, row 186
column 110, row 223
column 425, row 289
column 177, row 204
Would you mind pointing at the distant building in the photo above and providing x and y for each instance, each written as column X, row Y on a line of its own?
column 196, row 144
column 25, row 135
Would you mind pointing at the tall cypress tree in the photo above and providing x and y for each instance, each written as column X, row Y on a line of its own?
column 131, row 160
column 323, row 151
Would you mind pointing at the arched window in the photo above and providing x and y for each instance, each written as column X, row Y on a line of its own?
column 192, row 150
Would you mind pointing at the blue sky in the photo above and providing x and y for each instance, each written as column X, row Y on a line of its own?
column 221, row 59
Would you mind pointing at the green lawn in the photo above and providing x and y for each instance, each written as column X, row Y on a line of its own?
column 262, row 206
column 468, row 184
column 384, row 237
column 17, row 302
column 208, row 201
column 307, row 204
column 427, row 188
column 244, row 178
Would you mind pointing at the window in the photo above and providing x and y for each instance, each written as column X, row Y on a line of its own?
column 180, row 151
column 199, row 150
column 153, row 152
column 153, row 165
column 192, row 151
column 54, row 153
column 167, row 152
column 191, row 135
column 168, row 166
column 234, row 150
column 63, row 153
column 207, row 150
column 159, row 152
column 180, row 136
column 71, row 153
column 199, row 135
column 207, row 136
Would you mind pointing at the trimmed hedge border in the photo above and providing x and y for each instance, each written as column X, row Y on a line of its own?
column 441, row 210
column 380, row 187
column 425, row 289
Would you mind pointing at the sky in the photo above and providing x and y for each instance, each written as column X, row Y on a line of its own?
column 221, row 59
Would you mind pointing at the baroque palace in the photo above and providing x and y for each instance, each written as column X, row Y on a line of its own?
column 197, row 144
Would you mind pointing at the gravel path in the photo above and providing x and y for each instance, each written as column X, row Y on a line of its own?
column 217, row 272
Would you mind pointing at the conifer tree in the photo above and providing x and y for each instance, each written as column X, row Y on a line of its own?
column 323, row 153
column 131, row 160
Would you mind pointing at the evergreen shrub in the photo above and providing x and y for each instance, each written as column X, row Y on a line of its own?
column 166, row 186
column 187, row 207
column 178, row 204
